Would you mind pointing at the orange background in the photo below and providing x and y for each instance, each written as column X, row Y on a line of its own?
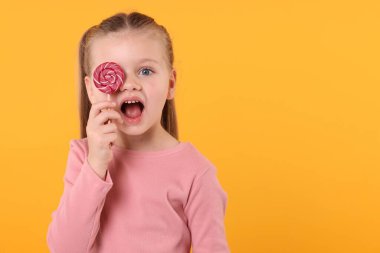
column 282, row 96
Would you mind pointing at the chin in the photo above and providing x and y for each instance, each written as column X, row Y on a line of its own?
column 132, row 130
column 140, row 128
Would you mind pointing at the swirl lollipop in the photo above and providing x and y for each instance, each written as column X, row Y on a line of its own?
column 108, row 77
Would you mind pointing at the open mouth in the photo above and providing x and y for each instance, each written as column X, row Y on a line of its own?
column 132, row 109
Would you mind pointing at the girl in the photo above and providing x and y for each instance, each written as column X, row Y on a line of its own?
column 130, row 185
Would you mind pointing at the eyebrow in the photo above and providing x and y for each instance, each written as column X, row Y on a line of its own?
column 147, row 59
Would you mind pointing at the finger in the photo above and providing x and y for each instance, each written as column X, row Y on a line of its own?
column 104, row 116
column 108, row 128
column 96, row 108
column 110, row 137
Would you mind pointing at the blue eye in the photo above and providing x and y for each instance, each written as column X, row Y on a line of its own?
column 144, row 70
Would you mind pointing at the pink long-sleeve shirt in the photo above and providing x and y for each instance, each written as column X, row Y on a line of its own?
column 150, row 202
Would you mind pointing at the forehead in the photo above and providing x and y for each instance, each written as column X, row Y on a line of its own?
column 126, row 48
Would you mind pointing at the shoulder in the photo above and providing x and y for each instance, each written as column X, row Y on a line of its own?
column 76, row 158
column 79, row 145
column 205, row 187
column 198, row 161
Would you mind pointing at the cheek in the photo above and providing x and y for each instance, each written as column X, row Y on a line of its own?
column 98, row 93
column 157, row 98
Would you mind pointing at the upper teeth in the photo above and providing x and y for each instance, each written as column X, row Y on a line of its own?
column 129, row 102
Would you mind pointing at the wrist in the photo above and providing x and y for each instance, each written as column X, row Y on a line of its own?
column 98, row 169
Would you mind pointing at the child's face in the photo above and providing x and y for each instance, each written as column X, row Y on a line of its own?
column 152, row 81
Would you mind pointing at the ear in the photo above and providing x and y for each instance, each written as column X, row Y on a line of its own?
column 90, row 94
column 172, row 84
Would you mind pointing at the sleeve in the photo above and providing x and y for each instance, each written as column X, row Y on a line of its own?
column 75, row 222
column 205, row 211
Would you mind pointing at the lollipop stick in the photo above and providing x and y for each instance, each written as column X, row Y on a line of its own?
column 108, row 99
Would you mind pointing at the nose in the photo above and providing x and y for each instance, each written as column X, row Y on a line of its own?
column 130, row 84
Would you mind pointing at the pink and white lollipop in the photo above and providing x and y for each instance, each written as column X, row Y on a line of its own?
column 108, row 77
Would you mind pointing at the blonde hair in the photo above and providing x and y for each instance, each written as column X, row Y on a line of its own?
column 120, row 22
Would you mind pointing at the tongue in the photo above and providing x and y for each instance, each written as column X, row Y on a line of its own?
column 133, row 110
